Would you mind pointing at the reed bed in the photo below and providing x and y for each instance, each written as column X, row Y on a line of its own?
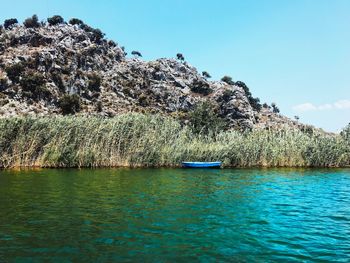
column 137, row 140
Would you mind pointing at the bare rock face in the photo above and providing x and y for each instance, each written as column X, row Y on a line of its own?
column 39, row 66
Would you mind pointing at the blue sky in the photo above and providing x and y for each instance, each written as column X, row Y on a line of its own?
column 292, row 52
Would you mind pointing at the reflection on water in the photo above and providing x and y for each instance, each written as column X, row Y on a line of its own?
column 175, row 214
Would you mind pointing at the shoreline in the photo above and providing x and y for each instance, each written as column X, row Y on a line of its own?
column 171, row 167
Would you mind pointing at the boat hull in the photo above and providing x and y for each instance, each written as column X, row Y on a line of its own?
column 201, row 164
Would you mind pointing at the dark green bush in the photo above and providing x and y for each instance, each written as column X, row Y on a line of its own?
column 69, row 104
column 76, row 21
column 14, row 71
column 143, row 100
column 31, row 80
column 201, row 87
column 33, row 86
column 55, row 20
column 111, row 43
column 180, row 57
column 57, row 79
column 206, row 74
column 32, row 22
column 254, row 102
column 3, row 84
column 98, row 35
column 204, row 119
column 228, row 80
column 136, row 53
column 227, row 94
column 125, row 53
column 94, row 82
column 275, row 109
column 9, row 22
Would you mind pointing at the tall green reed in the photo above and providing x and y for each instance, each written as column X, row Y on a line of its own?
column 152, row 140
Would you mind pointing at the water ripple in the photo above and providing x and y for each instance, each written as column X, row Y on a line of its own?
column 106, row 215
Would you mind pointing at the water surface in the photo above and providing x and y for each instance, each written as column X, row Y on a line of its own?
column 163, row 215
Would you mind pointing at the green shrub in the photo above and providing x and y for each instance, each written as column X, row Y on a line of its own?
column 180, row 57
column 57, row 79
column 94, row 82
column 205, row 120
column 32, row 22
column 201, row 87
column 206, row 74
column 227, row 95
column 136, row 54
column 143, row 100
column 254, row 102
column 275, row 109
column 31, row 80
column 228, row 80
column 14, row 71
column 69, row 104
column 3, row 83
column 10, row 22
column 265, row 105
column 33, row 85
column 98, row 34
column 76, row 21
column 55, row 20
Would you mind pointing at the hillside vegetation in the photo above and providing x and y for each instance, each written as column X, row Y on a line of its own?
column 58, row 68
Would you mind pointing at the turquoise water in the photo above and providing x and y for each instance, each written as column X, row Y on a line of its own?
column 166, row 215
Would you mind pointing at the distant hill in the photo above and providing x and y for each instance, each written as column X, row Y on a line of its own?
column 61, row 67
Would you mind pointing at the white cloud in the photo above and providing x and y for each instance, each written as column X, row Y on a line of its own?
column 308, row 106
column 342, row 104
column 305, row 107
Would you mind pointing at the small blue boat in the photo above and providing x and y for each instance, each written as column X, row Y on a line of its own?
column 201, row 164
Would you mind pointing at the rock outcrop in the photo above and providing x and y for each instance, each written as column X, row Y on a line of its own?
column 41, row 65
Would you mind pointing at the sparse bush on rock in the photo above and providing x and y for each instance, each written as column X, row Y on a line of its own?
column 136, row 54
column 143, row 100
column 94, row 82
column 275, row 109
column 69, row 104
column 266, row 106
column 33, row 85
column 201, row 87
column 10, row 22
column 180, row 57
column 76, row 21
column 3, row 83
column 254, row 102
column 55, row 20
column 204, row 119
column 228, row 80
column 14, row 71
column 206, row 74
column 227, row 95
column 32, row 22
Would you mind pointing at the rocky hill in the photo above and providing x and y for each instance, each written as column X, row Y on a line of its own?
column 70, row 68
